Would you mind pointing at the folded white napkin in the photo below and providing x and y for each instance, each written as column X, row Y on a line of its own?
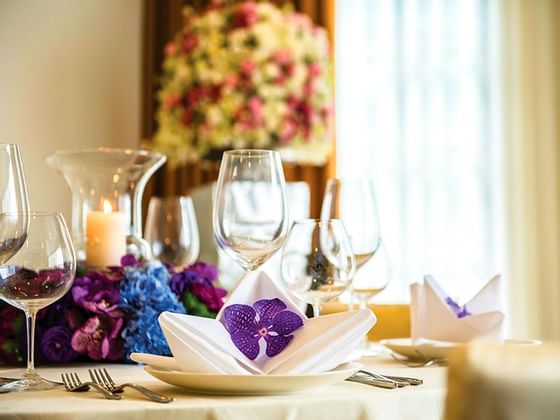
column 204, row 345
column 432, row 315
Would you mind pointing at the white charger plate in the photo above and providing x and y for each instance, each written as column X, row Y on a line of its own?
column 211, row 383
column 422, row 348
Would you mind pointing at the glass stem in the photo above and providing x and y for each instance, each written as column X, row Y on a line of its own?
column 30, row 324
column 351, row 299
column 316, row 309
column 363, row 304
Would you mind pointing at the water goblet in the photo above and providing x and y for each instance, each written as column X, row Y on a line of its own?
column 40, row 273
column 317, row 261
column 13, row 199
column 250, row 213
column 353, row 201
column 172, row 230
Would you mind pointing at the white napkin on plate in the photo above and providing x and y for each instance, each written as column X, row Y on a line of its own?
column 203, row 345
column 433, row 318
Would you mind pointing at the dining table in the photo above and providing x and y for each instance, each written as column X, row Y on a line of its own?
column 344, row 400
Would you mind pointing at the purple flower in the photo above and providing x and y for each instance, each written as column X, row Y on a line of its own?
column 206, row 271
column 198, row 279
column 97, row 294
column 8, row 317
column 212, row 297
column 268, row 319
column 99, row 338
column 457, row 310
column 55, row 345
column 129, row 260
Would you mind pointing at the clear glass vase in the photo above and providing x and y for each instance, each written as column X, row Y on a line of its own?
column 107, row 186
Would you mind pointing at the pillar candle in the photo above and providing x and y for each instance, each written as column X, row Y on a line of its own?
column 106, row 237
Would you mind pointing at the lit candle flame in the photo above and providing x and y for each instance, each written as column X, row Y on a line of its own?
column 107, row 207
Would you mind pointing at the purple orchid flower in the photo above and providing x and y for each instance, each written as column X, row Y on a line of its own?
column 97, row 294
column 268, row 319
column 99, row 338
column 459, row 311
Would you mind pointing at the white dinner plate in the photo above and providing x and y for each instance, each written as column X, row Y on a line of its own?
column 210, row 383
column 422, row 348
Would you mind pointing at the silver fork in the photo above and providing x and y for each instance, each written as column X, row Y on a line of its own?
column 72, row 383
column 102, row 377
column 422, row 361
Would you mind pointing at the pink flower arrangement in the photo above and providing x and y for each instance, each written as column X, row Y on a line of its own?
column 246, row 75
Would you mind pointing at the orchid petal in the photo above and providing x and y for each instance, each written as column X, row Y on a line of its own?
column 268, row 308
column 240, row 318
column 286, row 322
column 275, row 344
column 247, row 343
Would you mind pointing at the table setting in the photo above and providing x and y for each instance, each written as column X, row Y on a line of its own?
column 191, row 339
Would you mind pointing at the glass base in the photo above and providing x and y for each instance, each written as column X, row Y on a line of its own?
column 30, row 382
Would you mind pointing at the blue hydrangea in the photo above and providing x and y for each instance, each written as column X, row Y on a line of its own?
column 146, row 293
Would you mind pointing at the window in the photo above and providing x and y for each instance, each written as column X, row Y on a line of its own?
column 416, row 110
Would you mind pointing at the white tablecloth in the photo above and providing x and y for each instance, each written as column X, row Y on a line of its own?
column 341, row 401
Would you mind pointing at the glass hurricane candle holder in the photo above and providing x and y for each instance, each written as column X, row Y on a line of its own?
column 107, row 186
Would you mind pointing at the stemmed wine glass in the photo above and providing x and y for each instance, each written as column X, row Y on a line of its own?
column 250, row 210
column 353, row 201
column 317, row 261
column 40, row 273
column 13, row 199
column 172, row 231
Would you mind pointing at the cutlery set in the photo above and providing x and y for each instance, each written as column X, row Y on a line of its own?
column 383, row 381
column 103, row 383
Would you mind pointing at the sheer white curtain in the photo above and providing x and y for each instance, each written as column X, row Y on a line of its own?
column 416, row 111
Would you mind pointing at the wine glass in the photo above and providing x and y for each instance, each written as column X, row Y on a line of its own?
column 353, row 201
column 172, row 231
column 13, row 199
column 40, row 273
column 317, row 261
column 250, row 210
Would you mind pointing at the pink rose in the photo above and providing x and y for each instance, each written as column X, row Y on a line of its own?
column 255, row 107
column 170, row 49
column 247, row 66
column 244, row 15
column 190, row 42
column 314, row 70
column 171, row 101
column 288, row 130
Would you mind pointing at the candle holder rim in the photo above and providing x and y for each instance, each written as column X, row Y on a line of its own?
column 108, row 150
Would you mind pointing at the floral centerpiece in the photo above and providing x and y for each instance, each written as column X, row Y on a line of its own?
column 245, row 75
column 109, row 314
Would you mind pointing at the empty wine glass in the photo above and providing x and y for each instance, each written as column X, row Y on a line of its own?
column 353, row 201
column 13, row 199
column 317, row 261
column 40, row 273
column 250, row 210
column 172, row 231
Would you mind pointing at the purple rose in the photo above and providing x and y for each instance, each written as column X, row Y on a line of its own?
column 97, row 294
column 55, row 345
column 99, row 338
column 211, row 296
